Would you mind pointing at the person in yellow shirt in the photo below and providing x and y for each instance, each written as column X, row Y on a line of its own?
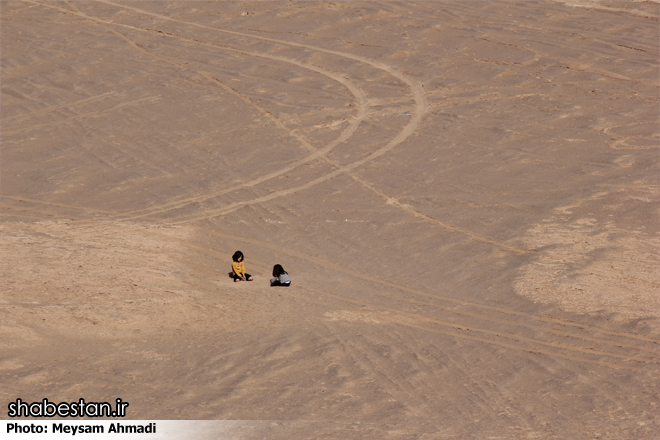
column 238, row 268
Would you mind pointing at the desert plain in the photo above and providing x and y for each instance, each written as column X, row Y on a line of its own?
column 464, row 193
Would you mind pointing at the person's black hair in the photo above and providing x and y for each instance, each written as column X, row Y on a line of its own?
column 237, row 255
column 278, row 270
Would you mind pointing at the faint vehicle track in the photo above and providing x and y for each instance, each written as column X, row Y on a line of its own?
column 55, row 204
column 500, row 337
column 563, row 62
column 373, row 364
column 83, row 116
column 570, row 339
column 58, row 107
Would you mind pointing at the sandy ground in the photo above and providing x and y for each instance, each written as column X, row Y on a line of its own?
column 465, row 195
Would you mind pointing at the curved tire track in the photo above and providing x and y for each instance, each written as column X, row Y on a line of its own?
column 419, row 97
column 416, row 88
column 418, row 112
column 355, row 90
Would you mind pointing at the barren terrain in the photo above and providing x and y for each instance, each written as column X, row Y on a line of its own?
column 465, row 195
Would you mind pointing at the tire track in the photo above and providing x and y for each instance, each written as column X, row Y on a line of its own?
column 418, row 214
column 583, row 339
column 489, row 337
column 584, row 37
column 400, row 390
column 566, row 63
column 419, row 98
column 59, row 107
column 484, row 398
column 403, row 356
column 362, row 112
column 418, row 93
column 82, row 116
column 418, row 112
column 499, row 338
column 25, row 212
column 354, row 89
column 59, row 205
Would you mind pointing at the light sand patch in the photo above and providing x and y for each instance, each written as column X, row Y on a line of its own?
column 353, row 316
column 619, row 7
column 105, row 278
column 587, row 267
